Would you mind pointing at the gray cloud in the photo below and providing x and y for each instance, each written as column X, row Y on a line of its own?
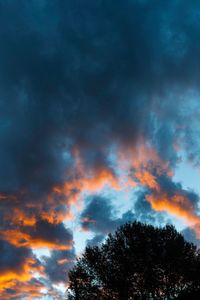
column 98, row 215
column 190, row 236
column 71, row 72
column 12, row 258
column 58, row 265
column 96, row 240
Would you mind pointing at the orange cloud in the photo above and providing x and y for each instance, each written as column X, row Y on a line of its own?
column 29, row 290
column 55, row 218
column 139, row 163
column 143, row 156
column 7, row 197
column 63, row 261
column 178, row 205
column 19, row 238
column 86, row 180
column 145, row 178
column 147, row 166
column 22, row 218
column 24, row 273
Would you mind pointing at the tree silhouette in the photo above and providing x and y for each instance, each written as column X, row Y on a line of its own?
column 137, row 262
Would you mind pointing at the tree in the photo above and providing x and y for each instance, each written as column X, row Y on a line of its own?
column 137, row 262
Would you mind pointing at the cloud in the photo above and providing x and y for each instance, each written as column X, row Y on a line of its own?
column 30, row 290
column 33, row 289
column 164, row 195
column 53, row 92
column 16, row 265
column 41, row 235
column 98, row 215
column 96, row 240
column 190, row 236
column 144, row 212
column 58, row 264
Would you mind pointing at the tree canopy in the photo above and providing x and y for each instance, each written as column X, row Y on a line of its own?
column 137, row 262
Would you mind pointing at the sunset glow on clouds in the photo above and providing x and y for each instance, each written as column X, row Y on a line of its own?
column 99, row 112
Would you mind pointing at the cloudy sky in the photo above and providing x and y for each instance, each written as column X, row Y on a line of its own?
column 99, row 125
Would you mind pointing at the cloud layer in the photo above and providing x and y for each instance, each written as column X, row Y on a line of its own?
column 92, row 94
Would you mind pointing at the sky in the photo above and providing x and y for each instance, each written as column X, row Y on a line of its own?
column 99, row 126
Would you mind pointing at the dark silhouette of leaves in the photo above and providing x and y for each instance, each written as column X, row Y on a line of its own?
column 138, row 262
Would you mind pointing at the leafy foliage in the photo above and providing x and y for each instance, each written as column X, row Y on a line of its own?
column 137, row 262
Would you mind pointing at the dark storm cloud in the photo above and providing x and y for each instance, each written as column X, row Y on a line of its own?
column 58, row 264
column 71, row 71
column 38, row 235
column 12, row 259
column 51, row 233
column 98, row 215
column 99, row 228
